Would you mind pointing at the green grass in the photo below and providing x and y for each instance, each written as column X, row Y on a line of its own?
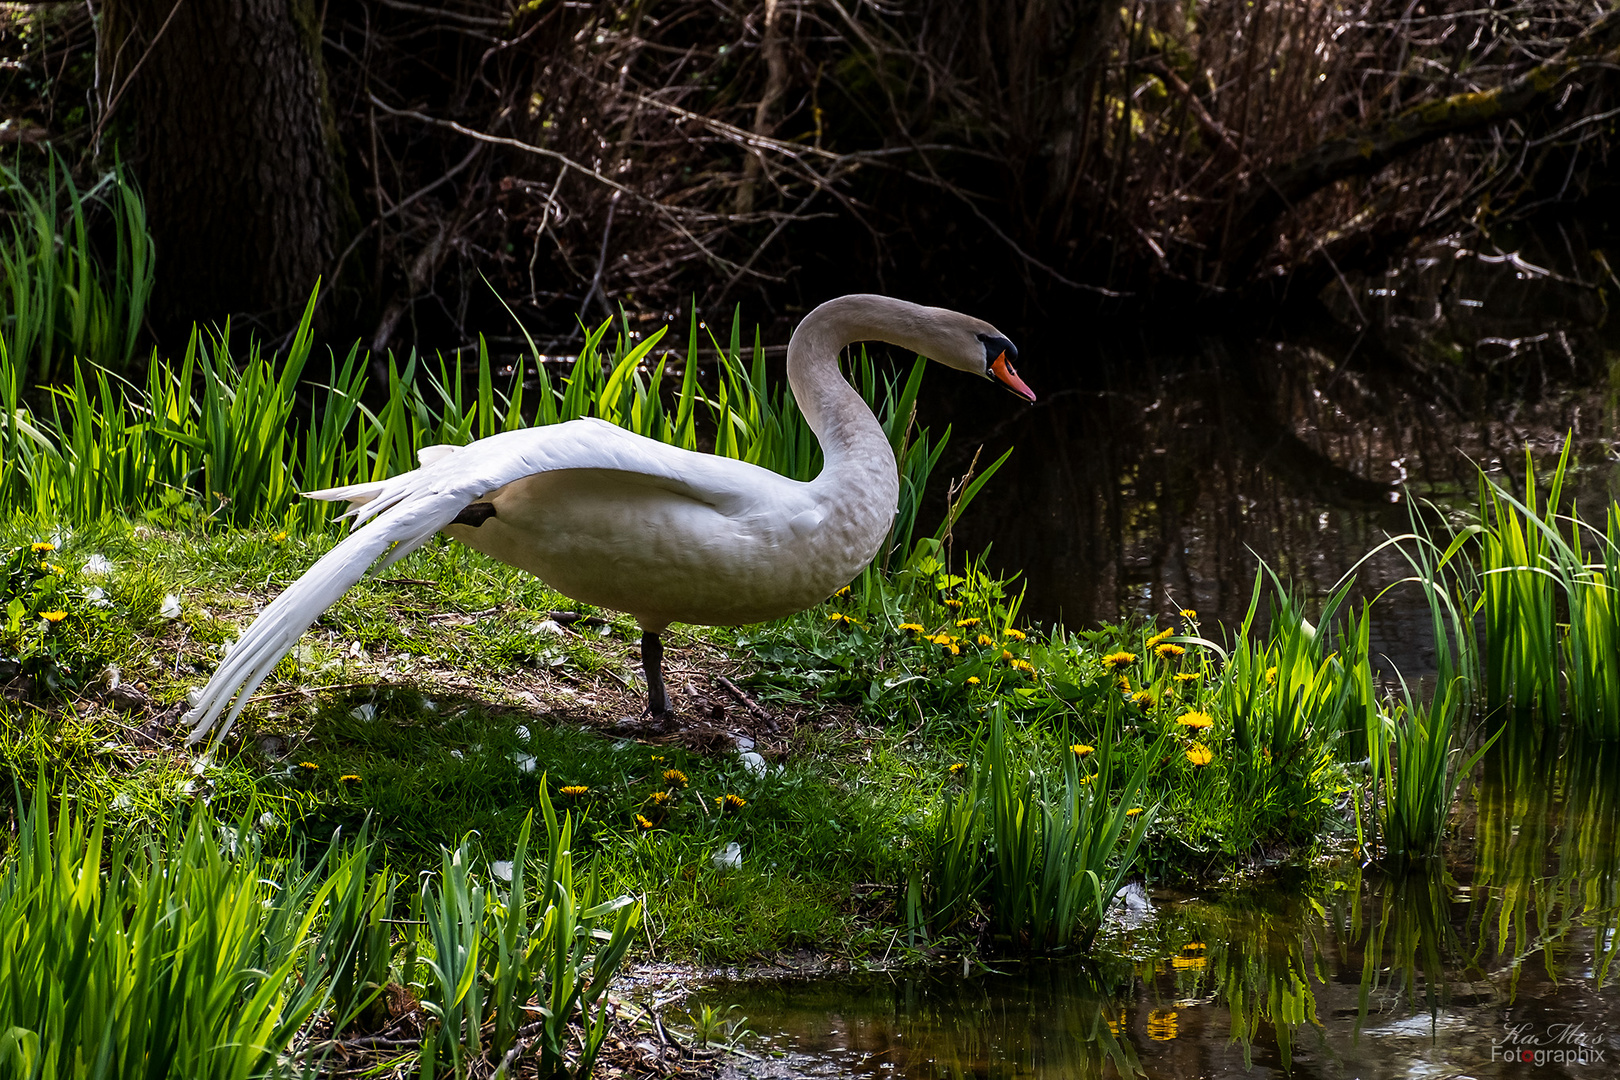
column 190, row 951
column 59, row 298
column 432, row 687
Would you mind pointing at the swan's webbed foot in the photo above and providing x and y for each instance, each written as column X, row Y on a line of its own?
column 652, row 666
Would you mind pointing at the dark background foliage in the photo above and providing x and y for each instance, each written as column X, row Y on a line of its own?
column 1043, row 162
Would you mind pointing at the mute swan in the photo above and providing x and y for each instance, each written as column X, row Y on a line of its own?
column 621, row 521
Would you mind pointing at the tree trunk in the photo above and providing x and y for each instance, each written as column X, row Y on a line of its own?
column 236, row 149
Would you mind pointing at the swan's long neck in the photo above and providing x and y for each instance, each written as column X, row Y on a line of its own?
column 860, row 479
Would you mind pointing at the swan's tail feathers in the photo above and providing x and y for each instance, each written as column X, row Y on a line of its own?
column 404, row 527
column 357, row 494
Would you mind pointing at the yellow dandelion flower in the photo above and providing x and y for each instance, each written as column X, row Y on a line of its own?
column 1119, row 659
column 1195, row 719
column 1015, row 634
column 1160, row 636
column 916, row 628
column 1123, row 683
column 1133, row 811
column 41, row 547
column 1145, row 700
column 656, row 757
column 642, row 823
column 952, row 603
column 842, row 592
column 1170, row 652
column 54, row 569
column 1022, row 665
column 349, row 778
column 674, row 777
column 658, row 798
column 967, row 622
column 53, row 616
column 838, row 618
column 730, row 802
column 957, row 769
column 1081, row 749
column 973, row 680
column 280, row 537
column 1271, row 675
column 1188, row 676
column 310, row 765
column 574, row 791
column 985, row 640
column 1188, row 613
column 1085, row 779
column 1200, row 755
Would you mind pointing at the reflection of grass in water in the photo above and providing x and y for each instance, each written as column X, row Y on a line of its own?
column 1256, row 956
column 1406, row 938
column 1062, row 1019
column 1535, row 884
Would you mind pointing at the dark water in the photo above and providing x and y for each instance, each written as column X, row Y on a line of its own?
column 1336, row 970
column 1155, row 482
column 1155, row 471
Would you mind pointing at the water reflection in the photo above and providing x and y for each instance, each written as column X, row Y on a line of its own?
column 1163, row 466
column 1339, row 970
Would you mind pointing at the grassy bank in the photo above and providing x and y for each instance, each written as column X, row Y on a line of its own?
column 439, row 699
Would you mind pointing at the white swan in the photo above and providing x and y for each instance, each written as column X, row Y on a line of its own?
column 614, row 519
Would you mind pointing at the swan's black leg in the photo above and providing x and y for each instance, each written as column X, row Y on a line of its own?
column 474, row 514
column 652, row 666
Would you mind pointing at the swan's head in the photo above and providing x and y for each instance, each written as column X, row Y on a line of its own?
column 997, row 363
column 976, row 347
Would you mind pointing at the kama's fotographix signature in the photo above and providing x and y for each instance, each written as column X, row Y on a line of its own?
column 1556, row 1044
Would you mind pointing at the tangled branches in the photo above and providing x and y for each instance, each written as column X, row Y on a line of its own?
column 1016, row 156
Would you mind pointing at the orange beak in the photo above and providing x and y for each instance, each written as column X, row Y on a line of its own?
column 1009, row 378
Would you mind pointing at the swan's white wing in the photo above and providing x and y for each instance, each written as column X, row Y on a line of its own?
column 403, row 512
